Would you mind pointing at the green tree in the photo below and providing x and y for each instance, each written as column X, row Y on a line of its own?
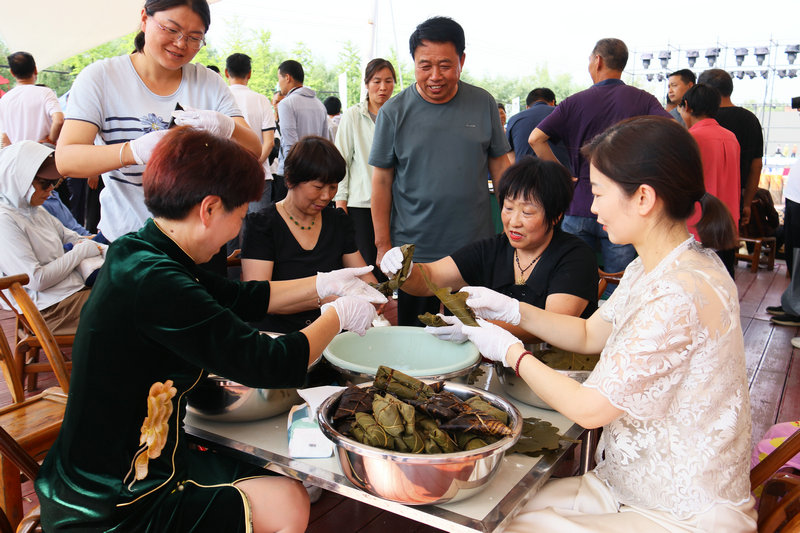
column 404, row 69
column 317, row 76
column 350, row 63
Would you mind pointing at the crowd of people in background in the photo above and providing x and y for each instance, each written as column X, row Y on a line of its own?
column 608, row 178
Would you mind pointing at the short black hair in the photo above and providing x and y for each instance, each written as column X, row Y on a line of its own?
column 546, row 183
column 214, row 68
column 438, row 30
column 541, row 93
column 314, row 158
column 333, row 106
column 703, row 100
column 718, row 79
column 21, row 64
column 293, row 69
column 614, row 53
column 687, row 76
column 238, row 65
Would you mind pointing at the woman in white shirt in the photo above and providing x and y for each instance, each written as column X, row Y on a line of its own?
column 354, row 141
column 33, row 239
column 127, row 102
column 670, row 389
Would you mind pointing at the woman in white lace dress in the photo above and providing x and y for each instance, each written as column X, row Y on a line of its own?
column 670, row 389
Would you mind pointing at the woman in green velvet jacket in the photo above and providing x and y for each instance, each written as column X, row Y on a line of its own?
column 154, row 325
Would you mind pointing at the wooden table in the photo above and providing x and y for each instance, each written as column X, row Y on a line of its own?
column 264, row 443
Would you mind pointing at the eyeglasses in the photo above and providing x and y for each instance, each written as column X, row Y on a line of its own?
column 46, row 184
column 176, row 35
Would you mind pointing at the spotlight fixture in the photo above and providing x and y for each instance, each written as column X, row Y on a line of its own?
column 739, row 74
column 740, row 55
column 691, row 56
column 664, row 56
column 650, row 76
column 761, row 52
column 660, row 76
column 792, row 73
column 711, row 55
column 781, row 73
column 791, row 52
column 765, row 74
column 751, row 74
column 646, row 60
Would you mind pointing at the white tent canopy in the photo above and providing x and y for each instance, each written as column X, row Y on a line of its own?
column 53, row 30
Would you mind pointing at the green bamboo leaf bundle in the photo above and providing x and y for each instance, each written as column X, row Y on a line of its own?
column 455, row 302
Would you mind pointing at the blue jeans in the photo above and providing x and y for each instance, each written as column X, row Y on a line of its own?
column 615, row 256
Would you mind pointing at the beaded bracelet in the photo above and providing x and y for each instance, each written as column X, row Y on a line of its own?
column 521, row 356
column 122, row 149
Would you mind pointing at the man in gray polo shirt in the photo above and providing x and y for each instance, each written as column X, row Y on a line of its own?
column 435, row 145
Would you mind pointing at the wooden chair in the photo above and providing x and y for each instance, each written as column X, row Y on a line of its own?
column 16, row 454
column 235, row 259
column 779, row 508
column 607, row 278
column 762, row 244
column 28, row 345
column 43, row 338
column 33, row 424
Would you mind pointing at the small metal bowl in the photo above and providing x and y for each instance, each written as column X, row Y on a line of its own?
column 220, row 399
column 421, row 479
column 516, row 387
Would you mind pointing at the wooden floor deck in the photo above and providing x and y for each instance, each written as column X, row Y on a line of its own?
column 773, row 370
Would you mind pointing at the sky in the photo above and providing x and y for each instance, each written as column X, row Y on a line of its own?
column 513, row 37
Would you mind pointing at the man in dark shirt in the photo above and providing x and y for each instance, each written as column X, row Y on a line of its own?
column 539, row 104
column 747, row 128
column 576, row 121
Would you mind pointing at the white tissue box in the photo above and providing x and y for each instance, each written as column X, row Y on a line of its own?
column 306, row 440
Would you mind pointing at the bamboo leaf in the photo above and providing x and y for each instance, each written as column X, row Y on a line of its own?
column 455, row 302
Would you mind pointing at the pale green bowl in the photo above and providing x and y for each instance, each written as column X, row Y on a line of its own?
column 407, row 349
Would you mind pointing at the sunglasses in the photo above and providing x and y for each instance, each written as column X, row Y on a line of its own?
column 47, row 184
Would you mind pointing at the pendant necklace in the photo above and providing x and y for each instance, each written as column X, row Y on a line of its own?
column 521, row 277
column 296, row 223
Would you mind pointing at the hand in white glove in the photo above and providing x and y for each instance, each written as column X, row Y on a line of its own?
column 392, row 262
column 143, row 147
column 86, row 248
column 355, row 314
column 491, row 340
column 213, row 122
column 345, row 282
column 450, row 333
column 492, row 305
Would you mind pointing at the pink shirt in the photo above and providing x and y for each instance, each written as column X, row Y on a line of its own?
column 719, row 151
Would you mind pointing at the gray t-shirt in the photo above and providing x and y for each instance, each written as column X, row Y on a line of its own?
column 440, row 156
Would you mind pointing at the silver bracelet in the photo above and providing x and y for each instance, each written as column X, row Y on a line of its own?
column 122, row 149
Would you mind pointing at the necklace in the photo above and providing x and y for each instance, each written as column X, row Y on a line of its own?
column 521, row 277
column 296, row 223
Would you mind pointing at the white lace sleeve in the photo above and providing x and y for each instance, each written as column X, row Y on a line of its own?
column 647, row 357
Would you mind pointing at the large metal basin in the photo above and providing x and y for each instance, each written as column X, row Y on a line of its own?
column 421, row 479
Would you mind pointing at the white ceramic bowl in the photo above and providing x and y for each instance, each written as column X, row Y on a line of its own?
column 407, row 349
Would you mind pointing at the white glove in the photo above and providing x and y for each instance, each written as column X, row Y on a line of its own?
column 213, row 122
column 355, row 314
column 142, row 148
column 450, row 333
column 345, row 282
column 492, row 305
column 86, row 248
column 491, row 340
column 392, row 262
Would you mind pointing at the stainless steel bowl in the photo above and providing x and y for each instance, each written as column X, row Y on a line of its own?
column 220, row 399
column 421, row 479
column 516, row 387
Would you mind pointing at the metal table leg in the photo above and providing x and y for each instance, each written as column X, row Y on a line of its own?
column 588, row 446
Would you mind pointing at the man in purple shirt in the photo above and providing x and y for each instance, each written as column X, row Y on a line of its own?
column 576, row 121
